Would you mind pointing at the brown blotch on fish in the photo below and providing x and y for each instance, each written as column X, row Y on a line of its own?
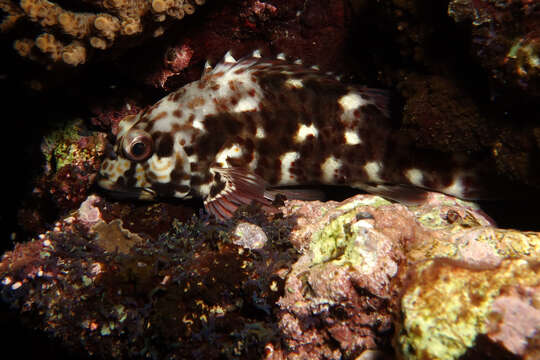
column 161, row 115
column 177, row 175
column 165, row 145
column 217, row 75
column 196, row 102
column 250, row 123
column 177, row 113
column 182, row 188
column 221, row 105
column 148, row 126
column 151, row 176
column 176, row 96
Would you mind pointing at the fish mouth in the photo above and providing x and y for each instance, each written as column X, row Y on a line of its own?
column 142, row 193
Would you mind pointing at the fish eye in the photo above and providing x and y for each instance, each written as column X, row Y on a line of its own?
column 138, row 145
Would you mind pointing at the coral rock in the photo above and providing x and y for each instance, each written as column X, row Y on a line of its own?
column 505, row 38
column 339, row 290
column 250, row 236
column 72, row 158
column 474, row 303
column 71, row 37
column 359, row 279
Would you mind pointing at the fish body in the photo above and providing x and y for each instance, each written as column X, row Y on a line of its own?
column 254, row 125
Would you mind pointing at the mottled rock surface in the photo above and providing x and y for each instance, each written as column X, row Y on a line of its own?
column 334, row 280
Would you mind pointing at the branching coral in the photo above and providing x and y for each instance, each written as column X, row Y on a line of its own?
column 70, row 36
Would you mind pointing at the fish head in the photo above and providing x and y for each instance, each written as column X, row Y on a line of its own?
column 145, row 163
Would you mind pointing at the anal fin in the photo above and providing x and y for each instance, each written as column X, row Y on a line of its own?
column 404, row 194
column 306, row 194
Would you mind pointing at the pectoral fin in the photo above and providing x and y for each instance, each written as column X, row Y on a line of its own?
column 235, row 187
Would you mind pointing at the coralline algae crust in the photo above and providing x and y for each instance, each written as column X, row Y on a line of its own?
column 447, row 303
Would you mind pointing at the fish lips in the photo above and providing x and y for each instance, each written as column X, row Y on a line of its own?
column 119, row 192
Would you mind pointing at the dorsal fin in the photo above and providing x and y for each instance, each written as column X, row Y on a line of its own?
column 379, row 97
column 207, row 68
column 228, row 58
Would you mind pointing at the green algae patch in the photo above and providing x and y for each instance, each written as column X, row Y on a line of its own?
column 513, row 243
column 479, row 245
column 331, row 241
column 342, row 239
column 66, row 146
column 357, row 201
column 446, row 304
column 432, row 219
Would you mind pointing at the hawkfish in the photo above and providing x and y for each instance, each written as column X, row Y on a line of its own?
column 252, row 128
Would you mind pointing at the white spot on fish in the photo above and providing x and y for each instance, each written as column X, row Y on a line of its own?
column 280, row 56
column 180, row 194
column 164, row 125
column 140, row 177
column 287, row 160
column 233, row 151
column 254, row 162
column 198, row 124
column 120, row 167
column 161, row 167
column 352, row 138
column 205, row 188
column 193, row 158
column 329, row 168
column 415, row 177
column 260, row 134
column 126, row 124
column 304, row 131
column 351, row 101
column 457, row 188
column 256, row 54
column 372, row 169
column 294, row 83
column 246, row 104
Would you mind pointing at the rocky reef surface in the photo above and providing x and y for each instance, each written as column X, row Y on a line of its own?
column 88, row 276
column 362, row 278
